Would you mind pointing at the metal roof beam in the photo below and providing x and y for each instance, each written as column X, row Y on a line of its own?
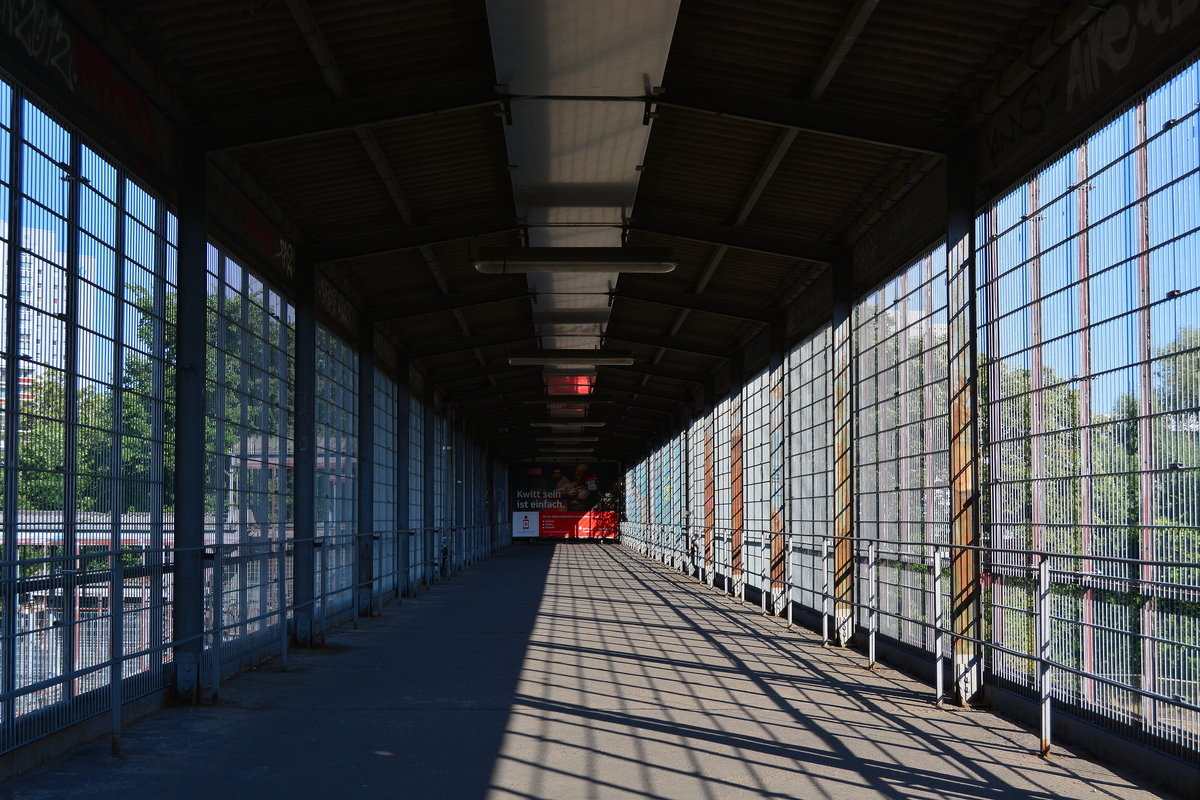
column 602, row 434
column 408, row 238
column 738, row 238
column 808, row 116
column 669, row 397
column 494, row 392
column 600, row 410
column 693, row 302
column 657, row 371
column 606, row 396
column 841, row 45
column 341, row 115
column 449, row 302
column 443, row 347
column 475, row 372
column 672, row 343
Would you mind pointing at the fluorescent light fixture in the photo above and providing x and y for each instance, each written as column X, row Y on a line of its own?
column 567, row 439
column 570, row 358
column 507, row 260
column 568, row 451
column 582, row 424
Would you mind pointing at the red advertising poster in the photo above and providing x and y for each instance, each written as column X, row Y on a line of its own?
column 568, row 500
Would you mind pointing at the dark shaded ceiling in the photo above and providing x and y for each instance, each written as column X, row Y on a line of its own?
column 758, row 213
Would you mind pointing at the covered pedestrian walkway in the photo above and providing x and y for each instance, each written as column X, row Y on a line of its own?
column 876, row 317
column 575, row 671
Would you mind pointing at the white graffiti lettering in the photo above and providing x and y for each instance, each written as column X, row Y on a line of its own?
column 41, row 31
column 287, row 257
column 1151, row 13
column 1110, row 42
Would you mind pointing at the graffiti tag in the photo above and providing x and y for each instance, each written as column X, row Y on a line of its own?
column 42, row 32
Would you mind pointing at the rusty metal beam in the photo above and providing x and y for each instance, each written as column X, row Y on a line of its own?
column 818, row 118
column 475, row 372
column 657, row 371
column 692, row 302
column 603, row 387
column 965, row 592
column 452, row 302
column 411, row 237
column 843, row 566
column 735, row 237
column 777, row 441
column 348, row 113
column 672, row 343
column 437, row 348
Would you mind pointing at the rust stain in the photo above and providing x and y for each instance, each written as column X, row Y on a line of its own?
column 778, row 570
column 710, row 503
column 738, row 514
column 843, row 547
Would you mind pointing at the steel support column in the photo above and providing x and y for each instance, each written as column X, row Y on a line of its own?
column 305, row 461
column 459, row 487
column 9, row 552
column 842, row 359
column 965, row 582
column 192, row 316
column 1148, row 455
column 427, row 494
column 1088, row 608
column 710, row 489
column 736, row 478
column 778, row 461
column 364, row 552
column 403, row 520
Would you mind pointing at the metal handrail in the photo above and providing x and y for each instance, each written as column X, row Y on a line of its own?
column 667, row 542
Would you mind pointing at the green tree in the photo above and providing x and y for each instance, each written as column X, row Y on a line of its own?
column 42, row 446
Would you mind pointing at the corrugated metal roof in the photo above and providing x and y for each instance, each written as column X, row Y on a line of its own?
column 922, row 60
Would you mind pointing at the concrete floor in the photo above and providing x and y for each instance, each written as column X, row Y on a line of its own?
column 572, row 672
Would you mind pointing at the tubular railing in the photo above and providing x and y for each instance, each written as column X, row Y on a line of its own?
column 80, row 620
column 1032, row 642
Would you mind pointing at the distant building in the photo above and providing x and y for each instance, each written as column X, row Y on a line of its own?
column 42, row 337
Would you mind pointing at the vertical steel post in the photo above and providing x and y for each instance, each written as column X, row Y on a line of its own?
column 460, row 486
column 156, row 553
column 872, row 599
column 403, row 454
column 1086, row 517
column 710, row 496
column 491, row 505
column 116, row 631
column 192, row 318
column 965, row 601
column 12, row 427
column 778, row 463
column 366, row 603
column 243, row 539
column 305, row 461
column 427, row 537
column 70, row 601
column 281, row 587
column 826, row 590
column 1043, row 651
column 938, row 616
column 842, row 359
column 737, row 482
column 1147, row 452
column 217, row 591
